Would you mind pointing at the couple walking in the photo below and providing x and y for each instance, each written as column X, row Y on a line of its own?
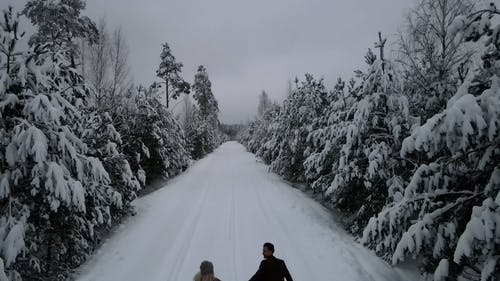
column 270, row 269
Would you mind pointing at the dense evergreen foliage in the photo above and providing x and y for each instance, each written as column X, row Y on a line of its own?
column 408, row 150
column 77, row 139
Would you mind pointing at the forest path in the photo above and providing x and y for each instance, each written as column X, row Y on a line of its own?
column 223, row 209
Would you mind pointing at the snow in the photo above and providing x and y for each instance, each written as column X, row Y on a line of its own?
column 141, row 176
column 29, row 142
column 441, row 273
column 489, row 268
column 77, row 195
column 3, row 276
column 13, row 243
column 10, row 100
column 483, row 229
column 56, row 184
column 4, row 185
column 222, row 209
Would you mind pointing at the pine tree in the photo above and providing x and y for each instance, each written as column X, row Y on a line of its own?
column 260, row 136
column 449, row 213
column 154, row 140
column 104, row 143
column 305, row 105
column 59, row 23
column 170, row 71
column 207, row 135
column 368, row 158
column 47, row 174
column 106, row 83
column 325, row 141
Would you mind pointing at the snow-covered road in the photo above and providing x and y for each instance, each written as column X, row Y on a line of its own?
column 223, row 209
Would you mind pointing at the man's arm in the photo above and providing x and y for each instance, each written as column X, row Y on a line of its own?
column 258, row 275
column 288, row 277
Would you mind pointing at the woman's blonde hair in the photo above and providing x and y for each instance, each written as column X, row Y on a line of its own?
column 206, row 272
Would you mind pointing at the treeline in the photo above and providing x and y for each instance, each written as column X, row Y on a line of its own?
column 409, row 148
column 78, row 139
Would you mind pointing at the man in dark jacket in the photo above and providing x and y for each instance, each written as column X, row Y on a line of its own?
column 271, row 268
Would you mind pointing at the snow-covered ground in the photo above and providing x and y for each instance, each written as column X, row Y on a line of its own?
column 223, row 209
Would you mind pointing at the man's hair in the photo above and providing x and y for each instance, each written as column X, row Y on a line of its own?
column 206, row 268
column 269, row 246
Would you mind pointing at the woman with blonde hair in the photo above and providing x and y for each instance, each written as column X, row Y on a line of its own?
column 206, row 272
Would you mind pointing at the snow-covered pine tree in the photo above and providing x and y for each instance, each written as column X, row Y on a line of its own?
column 324, row 142
column 170, row 72
column 207, row 135
column 368, row 160
column 173, row 143
column 101, row 200
column 245, row 135
column 257, row 133
column 59, row 23
column 189, row 122
column 14, row 210
column 153, row 140
column 259, row 136
column 47, row 174
column 307, row 103
column 104, row 143
column 449, row 213
column 266, row 138
column 128, row 115
column 105, row 84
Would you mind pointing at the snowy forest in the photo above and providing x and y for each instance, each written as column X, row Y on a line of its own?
column 79, row 140
column 407, row 150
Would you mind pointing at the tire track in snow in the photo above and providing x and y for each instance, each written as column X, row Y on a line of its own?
column 188, row 220
column 281, row 227
column 358, row 267
column 152, row 211
column 184, row 238
column 234, row 233
column 187, row 234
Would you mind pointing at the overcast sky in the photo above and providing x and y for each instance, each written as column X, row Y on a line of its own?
column 252, row 45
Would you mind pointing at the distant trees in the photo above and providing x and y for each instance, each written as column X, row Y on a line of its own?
column 264, row 104
column 205, row 135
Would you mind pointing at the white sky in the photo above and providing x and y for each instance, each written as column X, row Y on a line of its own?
column 252, row 45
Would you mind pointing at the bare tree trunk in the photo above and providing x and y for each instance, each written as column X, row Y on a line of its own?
column 120, row 80
column 166, row 91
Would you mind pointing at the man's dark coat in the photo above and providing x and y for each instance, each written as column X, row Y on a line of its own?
column 272, row 269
